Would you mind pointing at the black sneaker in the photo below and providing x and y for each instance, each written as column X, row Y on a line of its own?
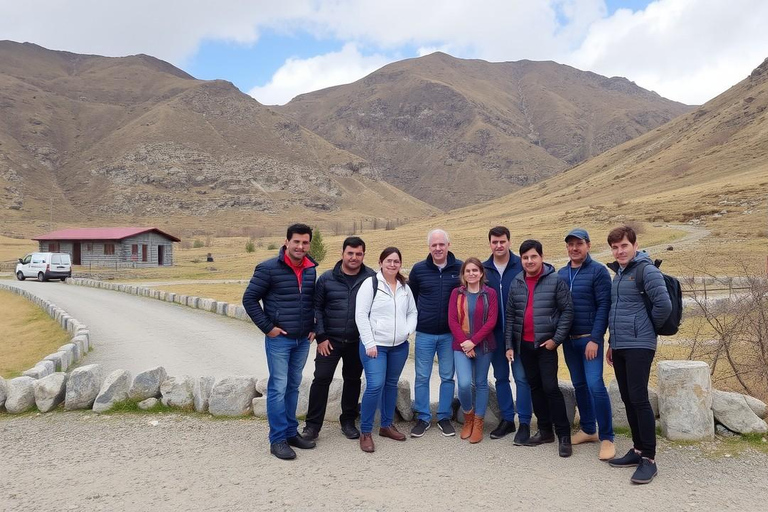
column 540, row 438
column 446, row 427
column 419, row 428
column 645, row 472
column 350, row 430
column 310, row 433
column 504, row 428
column 631, row 459
column 282, row 451
column 299, row 442
column 523, row 434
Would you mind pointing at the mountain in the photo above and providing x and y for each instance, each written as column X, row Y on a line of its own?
column 89, row 139
column 455, row 132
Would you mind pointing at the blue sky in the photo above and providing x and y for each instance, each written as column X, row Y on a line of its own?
column 686, row 50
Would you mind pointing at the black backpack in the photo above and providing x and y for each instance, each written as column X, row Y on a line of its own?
column 675, row 291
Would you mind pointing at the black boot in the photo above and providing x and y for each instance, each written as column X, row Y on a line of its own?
column 565, row 449
column 540, row 437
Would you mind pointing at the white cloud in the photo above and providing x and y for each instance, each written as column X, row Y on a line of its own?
column 298, row 76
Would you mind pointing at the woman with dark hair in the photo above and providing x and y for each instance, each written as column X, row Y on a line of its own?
column 472, row 314
column 385, row 314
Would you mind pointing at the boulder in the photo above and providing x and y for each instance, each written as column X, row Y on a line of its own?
column 733, row 411
column 685, row 401
column 177, row 392
column 113, row 390
column 83, row 387
column 61, row 360
column 42, row 369
column 147, row 384
column 21, row 395
column 261, row 386
column 757, row 406
column 201, row 393
column 569, row 395
column 333, row 409
column 3, row 392
column 148, row 403
column 302, row 406
column 404, row 404
column 49, row 391
column 653, row 396
column 232, row 396
column 619, row 412
column 74, row 351
column 259, row 406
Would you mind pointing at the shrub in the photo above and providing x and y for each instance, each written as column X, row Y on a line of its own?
column 250, row 246
column 198, row 244
column 317, row 247
column 272, row 246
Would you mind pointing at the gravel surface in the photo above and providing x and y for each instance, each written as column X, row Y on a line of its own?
column 85, row 461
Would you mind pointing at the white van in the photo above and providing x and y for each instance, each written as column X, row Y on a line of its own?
column 44, row 266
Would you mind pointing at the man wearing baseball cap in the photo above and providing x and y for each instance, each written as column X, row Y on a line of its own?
column 590, row 286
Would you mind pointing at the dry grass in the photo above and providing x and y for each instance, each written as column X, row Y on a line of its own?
column 11, row 249
column 29, row 334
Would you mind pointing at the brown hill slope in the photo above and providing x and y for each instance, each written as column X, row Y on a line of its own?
column 454, row 132
column 706, row 170
column 135, row 139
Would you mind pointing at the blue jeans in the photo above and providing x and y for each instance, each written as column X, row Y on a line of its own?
column 286, row 358
column 427, row 345
column 381, row 375
column 504, row 392
column 471, row 370
column 591, row 395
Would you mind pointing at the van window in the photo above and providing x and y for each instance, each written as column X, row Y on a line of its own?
column 56, row 259
column 39, row 258
column 65, row 259
column 27, row 259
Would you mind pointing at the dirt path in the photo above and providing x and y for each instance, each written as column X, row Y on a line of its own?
column 84, row 461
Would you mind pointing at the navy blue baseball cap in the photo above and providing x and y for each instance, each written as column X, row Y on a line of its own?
column 578, row 233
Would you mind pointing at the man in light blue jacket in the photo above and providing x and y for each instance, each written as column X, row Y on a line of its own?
column 633, row 344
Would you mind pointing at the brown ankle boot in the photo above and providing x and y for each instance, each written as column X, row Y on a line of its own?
column 469, row 421
column 477, row 430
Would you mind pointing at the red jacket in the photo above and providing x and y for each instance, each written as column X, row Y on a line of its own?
column 486, row 308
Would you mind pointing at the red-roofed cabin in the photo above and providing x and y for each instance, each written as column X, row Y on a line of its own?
column 110, row 247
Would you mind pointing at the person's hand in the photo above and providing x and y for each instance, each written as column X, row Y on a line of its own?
column 591, row 351
column 324, row 348
column 549, row 345
column 471, row 353
column 467, row 345
column 609, row 357
column 371, row 352
column 510, row 355
column 311, row 337
column 276, row 331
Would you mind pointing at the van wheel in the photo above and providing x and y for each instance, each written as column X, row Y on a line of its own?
column 19, row 275
column 40, row 277
column 63, row 279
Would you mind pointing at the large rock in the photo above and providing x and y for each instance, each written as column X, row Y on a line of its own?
column 261, row 386
column 177, row 392
column 302, row 406
column 757, row 406
column 653, row 396
column 569, row 396
column 147, row 384
column 201, row 393
column 259, row 405
column 21, row 395
column 333, row 408
column 685, row 401
column 619, row 411
column 733, row 411
column 232, row 396
column 42, row 369
column 404, row 404
column 61, row 360
column 74, row 351
column 50, row 391
column 113, row 390
column 83, row 387
column 3, row 392
column 148, row 403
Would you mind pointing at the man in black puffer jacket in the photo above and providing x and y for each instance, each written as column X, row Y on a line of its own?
column 285, row 286
column 538, row 319
column 338, row 339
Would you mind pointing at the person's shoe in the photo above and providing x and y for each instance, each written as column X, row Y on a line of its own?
column 350, row 430
column 581, row 437
column 299, row 442
column 469, row 421
column 540, row 438
column 446, row 427
column 281, row 450
column 631, row 459
column 392, row 433
column 477, row 430
column 522, row 436
column 366, row 442
column 310, row 433
column 504, row 428
column 645, row 472
column 607, row 450
column 455, row 404
column 419, row 428
column 564, row 448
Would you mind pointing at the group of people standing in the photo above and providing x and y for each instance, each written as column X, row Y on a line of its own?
column 510, row 312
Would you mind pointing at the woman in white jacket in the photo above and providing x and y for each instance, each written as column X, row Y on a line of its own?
column 385, row 314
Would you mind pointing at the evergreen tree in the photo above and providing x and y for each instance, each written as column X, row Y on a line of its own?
column 317, row 247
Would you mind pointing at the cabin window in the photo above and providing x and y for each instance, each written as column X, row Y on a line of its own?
column 109, row 249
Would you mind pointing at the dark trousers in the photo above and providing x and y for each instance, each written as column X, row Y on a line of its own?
column 325, row 367
column 548, row 403
column 633, row 367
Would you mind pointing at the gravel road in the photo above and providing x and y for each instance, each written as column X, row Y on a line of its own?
column 85, row 461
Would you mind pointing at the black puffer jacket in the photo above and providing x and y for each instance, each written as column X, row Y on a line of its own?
column 335, row 305
column 284, row 305
column 432, row 289
column 552, row 310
